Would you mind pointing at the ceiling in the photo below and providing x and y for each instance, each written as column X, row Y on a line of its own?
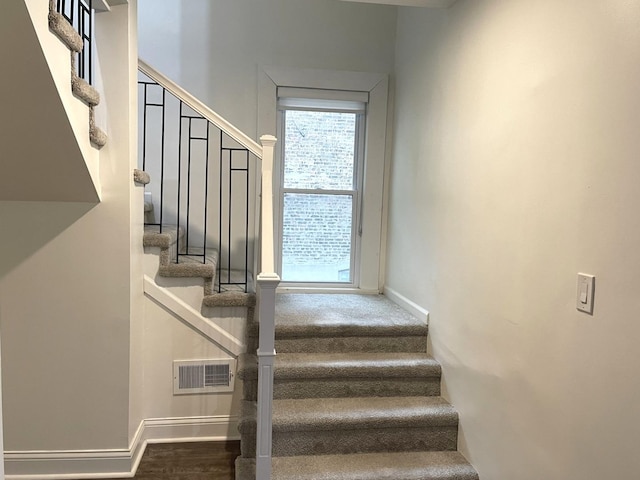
column 410, row 3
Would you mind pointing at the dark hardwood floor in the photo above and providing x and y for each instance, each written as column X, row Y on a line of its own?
column 189, row 461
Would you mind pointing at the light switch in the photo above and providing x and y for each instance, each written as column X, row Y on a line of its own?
column 585, row 290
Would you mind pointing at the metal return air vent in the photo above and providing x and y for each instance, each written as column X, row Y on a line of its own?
column 203, row 376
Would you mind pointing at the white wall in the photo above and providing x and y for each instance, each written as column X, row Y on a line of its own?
column 60, row 165
column 214, row 48
column 167, row 338
column 515, row 167
column 65, row 282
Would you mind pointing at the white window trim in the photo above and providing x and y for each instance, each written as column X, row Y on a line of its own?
column 377, row 85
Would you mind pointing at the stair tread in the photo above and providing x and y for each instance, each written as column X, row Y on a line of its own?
column 323, row 365
column 375, row 466
column 86, row 92
column 344, row 327
column 65, row 31
column 366, row 412
column 153, row 238
column 374, row 315
column 195, row 256
column 351, row 365
column 229, row 299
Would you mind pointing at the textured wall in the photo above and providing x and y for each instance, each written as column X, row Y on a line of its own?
column 515, row 167
column 65, row 301
column 215, row 48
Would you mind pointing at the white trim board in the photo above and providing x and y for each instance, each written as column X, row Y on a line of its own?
column 339, row 290
column 270, row 78
column 118, row 463
column 410, row 306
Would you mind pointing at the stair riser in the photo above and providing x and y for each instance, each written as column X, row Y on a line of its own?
column 350, row 387
column 246, row 470
column 407, row 344
column 341, row 442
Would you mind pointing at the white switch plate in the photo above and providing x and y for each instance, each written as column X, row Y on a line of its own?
column 584, row 293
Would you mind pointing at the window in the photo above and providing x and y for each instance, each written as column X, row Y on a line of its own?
column 352, row 202
column 321, row 140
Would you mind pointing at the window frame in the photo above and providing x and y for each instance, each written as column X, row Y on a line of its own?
column 376, row 152
column 355, row 193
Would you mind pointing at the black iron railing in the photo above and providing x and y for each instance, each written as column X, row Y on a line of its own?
column 200, row 184
column 79, row 13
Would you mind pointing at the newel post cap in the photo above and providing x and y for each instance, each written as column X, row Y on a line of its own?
column 268, row 140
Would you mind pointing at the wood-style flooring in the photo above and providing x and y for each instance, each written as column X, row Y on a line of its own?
column 189, row 461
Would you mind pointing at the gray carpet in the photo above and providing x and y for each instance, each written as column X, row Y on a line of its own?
column 356, row 396
column 192, row 266
column 85, row 92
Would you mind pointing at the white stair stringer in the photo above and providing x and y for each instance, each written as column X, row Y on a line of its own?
column 44, row 142
column 223, row 323
column 225, row 332
column 59, row 59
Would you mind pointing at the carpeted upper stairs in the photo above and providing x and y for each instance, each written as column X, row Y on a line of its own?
column 85, row 92
column 356, row 396
column 192, row 266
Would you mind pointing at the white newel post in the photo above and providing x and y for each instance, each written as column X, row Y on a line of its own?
column 268, row 281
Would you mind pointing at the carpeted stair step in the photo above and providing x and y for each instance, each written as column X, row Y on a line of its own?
column 81, row 88
column 141, row 177
column 343, row 324
column 316, row 375
column 165, row 238
column 229, row 299
column 153, row 237
column 97, row 137
column 190, row 265
column 367, row 466
column 63, row 29
column 328, row 426
column 344, row 337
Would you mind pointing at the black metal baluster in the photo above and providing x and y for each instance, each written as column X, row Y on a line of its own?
column 230, row 215
column 179, row 182
column 185, row 141
column 188, row 188
column 144, row 126
column 206, row 194
column 81, row 30
column 80, row 15
column 164, row 98
column 220, row 217
column 90, row 41
column 246, row 226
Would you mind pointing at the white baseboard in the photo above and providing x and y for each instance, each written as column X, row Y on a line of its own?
column 117, row 463
column 410, row 306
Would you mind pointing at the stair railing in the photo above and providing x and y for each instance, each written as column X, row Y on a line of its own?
column 79, row 13
column 236, row 147
column 200, row 165
column 268, row 281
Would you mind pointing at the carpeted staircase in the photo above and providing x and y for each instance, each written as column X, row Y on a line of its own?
column 192, row 266
column 356, row 396
column 81, row 89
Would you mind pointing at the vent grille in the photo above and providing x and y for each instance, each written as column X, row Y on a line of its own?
column 203, row 376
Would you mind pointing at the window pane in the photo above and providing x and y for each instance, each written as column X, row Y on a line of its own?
column 319, row 150
column 316, row 238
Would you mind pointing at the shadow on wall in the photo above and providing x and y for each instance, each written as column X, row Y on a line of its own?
column 28, row 226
